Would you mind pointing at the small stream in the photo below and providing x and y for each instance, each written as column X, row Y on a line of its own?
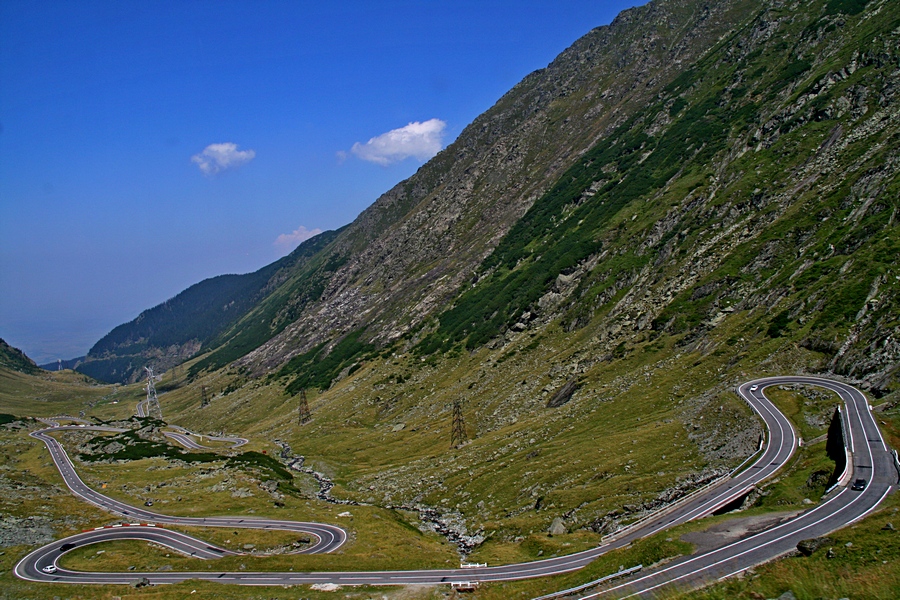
column 451, row 526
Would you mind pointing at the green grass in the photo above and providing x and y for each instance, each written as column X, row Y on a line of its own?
column 378, row 542
column 54, row 393
column 865, row 564
column 318, row 367
column 137, row 448
column 351, row 436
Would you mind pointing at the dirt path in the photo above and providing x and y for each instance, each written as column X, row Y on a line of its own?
column 734, row 529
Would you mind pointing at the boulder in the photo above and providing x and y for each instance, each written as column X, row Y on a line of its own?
column 557, row 527
column 807, row 547
column 563, row 395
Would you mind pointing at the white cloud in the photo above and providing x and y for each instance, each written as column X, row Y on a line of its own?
column 218, row 157
column 288, row 241
column 421, row 140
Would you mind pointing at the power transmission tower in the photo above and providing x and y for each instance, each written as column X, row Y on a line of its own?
column 303, row 410
column 204, row 396
column 153, row 408
column 458, row 437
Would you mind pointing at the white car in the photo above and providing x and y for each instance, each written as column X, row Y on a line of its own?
column 753, row 388
column 49, row 569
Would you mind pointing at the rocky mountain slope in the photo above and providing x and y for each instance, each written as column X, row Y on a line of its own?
column 698, row 114
column 697, row 194
column 759, row 177
column 406, row 256
column 409, row 254
column 761, row 183
column 690, row 197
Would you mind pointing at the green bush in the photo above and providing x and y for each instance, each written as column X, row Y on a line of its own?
column 317, row 368
column 778, row 324
column 847, row 7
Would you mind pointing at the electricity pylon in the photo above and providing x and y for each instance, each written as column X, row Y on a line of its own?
column 303, row 410
column 153, row 408
column 204, row 396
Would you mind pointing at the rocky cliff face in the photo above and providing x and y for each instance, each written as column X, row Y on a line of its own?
column 407, row 255
column 716, row 128
column 758, row 186
column 698, row 194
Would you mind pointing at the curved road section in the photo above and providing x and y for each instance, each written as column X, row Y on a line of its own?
column 32, row 567
column 870, row 460
column 868, row 450
column 186, row 439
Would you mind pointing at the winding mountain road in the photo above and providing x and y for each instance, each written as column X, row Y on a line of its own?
column 186, row 438
column 870, row 459
column 869, row 455
column 328, row 537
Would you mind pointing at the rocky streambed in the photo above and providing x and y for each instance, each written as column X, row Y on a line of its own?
column 451, row 525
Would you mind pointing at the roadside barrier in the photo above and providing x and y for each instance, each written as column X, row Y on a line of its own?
column 584, row 586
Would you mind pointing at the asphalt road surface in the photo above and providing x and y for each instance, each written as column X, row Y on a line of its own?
column 186, row 439
column 870, row 458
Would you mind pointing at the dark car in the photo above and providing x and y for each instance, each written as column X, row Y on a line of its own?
column 66, row 547
column 858, row 485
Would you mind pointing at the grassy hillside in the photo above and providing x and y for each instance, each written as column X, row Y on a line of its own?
column 63, row 392
column 742, row 224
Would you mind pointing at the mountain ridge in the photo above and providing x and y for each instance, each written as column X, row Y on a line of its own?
column 431, row 251
column 15, row 360
column 177, row 329
column 466, row 206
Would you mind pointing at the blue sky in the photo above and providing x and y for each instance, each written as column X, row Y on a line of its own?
column 145, row 146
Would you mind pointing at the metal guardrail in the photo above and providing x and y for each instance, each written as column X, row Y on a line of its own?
column 662, row 511
column 589, row 584
column 848, row 460
column 897, row 464
column 677, row 503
